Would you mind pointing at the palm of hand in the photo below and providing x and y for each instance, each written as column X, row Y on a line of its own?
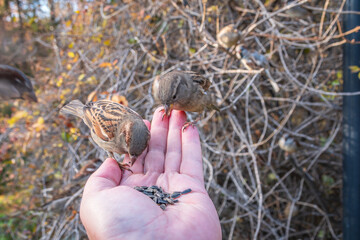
column 112, row 209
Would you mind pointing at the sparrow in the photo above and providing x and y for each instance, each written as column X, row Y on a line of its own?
column 288, row 144
column 259, row 60
column 114, row 127
column 183, row 90
column 14, row 84
column 228, row 36
column 297, row 11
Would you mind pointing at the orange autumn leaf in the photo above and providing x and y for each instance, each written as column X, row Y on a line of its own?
column 115, row 62
column 105, row 64
column 92, row 97
column 120, row 99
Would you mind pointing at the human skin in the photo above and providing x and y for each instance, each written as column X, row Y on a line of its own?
column 112, row 209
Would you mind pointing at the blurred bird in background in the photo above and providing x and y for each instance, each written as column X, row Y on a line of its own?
column 15, row 85
column 228, row 36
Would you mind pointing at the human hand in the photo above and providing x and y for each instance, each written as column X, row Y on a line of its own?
column 112, row 209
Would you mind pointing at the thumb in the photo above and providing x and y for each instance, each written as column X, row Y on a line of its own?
column 108, row 175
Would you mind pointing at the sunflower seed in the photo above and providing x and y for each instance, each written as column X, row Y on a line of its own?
column 176, row 194
column 160, row 197
column 186, row 191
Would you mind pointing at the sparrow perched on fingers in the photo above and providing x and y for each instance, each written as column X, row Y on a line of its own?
column 114, row 127
column 228, row 36
column 183, row 90
column 14, row 84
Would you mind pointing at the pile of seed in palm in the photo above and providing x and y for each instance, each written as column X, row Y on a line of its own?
column 160, row 197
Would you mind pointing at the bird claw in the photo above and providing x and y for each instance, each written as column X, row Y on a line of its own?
column 188, row 124
column 125, row 166
column 164, row 114
column 162, row 118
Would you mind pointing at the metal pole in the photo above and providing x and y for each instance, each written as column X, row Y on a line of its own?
column 351, row 127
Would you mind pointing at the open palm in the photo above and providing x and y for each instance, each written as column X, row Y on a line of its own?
column 112, row 209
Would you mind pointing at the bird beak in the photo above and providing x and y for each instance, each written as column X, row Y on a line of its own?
column 30, row 96
column 132, row 159
column 168, row 108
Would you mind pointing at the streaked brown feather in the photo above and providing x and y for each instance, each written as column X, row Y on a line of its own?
column 104, row 116
column 202, row 81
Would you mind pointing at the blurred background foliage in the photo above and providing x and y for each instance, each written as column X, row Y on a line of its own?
column 91, row 50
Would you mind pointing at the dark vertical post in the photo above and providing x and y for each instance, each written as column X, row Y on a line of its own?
column 351, row 127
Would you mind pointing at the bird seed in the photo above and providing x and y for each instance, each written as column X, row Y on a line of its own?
column 160, row 197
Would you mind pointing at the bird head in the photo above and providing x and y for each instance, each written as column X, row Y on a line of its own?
column 137, row 137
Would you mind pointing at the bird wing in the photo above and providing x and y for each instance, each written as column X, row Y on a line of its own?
column 200, row 80
column 105, row 116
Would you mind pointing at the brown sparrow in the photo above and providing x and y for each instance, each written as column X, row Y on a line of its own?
column 228, row 36
column 183, row 90
column 288, row 144
column 297, row 11
column 114, row 127
column 14, row 84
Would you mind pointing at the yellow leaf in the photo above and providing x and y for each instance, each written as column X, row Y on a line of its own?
column 39, row 125
column 17, row 116
column 107, row 42
column 73, row 130
column 31, row 20
column 64, row 74
column 71, row 54
column 81, row 77
column 101, row 53
column 76, row 58
column 76, row 90
column 64, row 93
column 36, row 112
column 91, row 80
column 71, row 45
column 104, row 23
column 59, row 82
column 41, row 120
column 147, row 17
column 68, row 23
column 68, row 66
column 77, row 11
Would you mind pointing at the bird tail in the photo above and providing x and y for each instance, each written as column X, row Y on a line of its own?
column 75, row 107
